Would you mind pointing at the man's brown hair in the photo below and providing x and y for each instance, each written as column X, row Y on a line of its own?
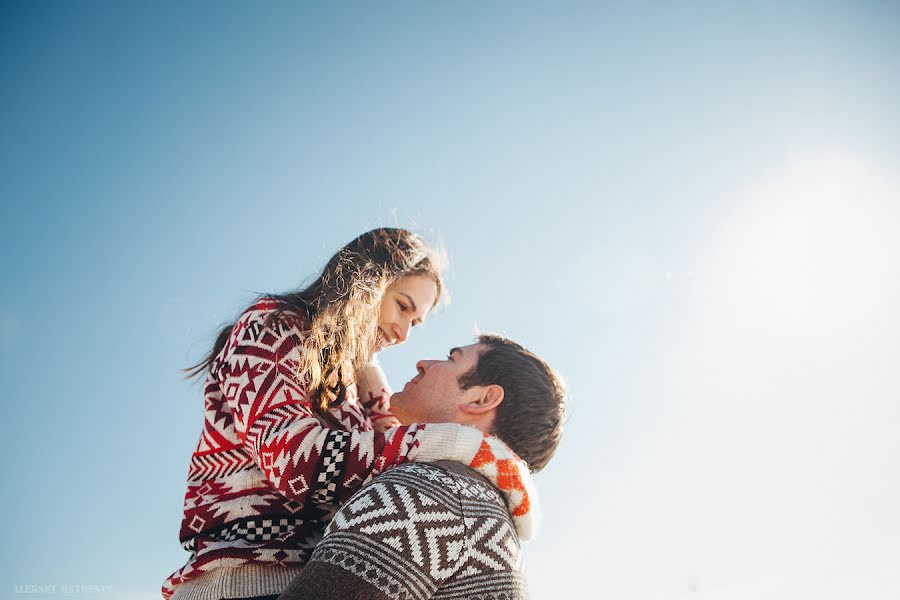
column 530, row 417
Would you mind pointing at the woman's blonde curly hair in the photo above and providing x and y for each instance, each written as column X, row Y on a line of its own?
column 342, row 308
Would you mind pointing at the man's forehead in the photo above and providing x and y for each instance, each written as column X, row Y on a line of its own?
column 468, row 351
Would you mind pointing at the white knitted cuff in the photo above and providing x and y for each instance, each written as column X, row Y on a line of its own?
column 449, row 441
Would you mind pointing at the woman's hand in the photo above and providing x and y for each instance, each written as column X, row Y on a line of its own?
column 375, row 397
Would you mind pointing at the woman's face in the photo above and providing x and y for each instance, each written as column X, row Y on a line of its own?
column 405, row 304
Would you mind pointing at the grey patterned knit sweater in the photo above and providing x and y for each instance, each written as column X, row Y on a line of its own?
column 435, row 530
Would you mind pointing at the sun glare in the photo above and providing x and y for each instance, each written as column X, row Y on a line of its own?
column 788, row 416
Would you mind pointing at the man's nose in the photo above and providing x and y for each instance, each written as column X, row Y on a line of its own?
column 424, row 365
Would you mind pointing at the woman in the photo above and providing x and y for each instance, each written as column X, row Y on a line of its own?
column 297, row 418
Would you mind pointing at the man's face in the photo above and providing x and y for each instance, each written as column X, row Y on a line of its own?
column 434, row 394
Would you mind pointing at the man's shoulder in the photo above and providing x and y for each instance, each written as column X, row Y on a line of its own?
column 425, row 494
column 453, row 480
column 418, row 530
column 405, row 494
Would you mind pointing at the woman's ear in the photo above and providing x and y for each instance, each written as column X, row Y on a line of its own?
column 487, row 399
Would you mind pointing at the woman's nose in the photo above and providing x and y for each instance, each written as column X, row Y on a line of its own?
column 401, row 331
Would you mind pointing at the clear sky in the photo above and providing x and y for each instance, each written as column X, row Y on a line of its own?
column 690, row 209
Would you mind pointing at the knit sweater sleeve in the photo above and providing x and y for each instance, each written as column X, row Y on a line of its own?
column 375, row 397
column 299, row 456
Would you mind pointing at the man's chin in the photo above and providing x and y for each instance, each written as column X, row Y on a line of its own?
column 401, row 417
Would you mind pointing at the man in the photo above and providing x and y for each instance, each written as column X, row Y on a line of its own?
column 441, row 530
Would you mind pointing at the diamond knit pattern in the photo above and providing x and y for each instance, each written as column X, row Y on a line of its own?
column 419, row 531
column 266, row 475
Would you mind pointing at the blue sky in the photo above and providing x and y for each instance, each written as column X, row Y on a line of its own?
column 690, row 211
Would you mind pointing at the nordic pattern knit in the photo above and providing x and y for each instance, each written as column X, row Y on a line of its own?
column 419, row 531
column 267, row 475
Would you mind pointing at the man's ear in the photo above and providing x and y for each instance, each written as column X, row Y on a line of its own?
column 487, row 399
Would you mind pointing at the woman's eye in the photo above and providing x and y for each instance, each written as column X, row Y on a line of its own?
column 403, row 307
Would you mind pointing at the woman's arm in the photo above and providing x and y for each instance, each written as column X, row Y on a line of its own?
column 300, row 457
column 375, row 397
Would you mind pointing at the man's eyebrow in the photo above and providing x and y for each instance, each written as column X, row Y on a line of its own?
column 452, row 350
column 411, row 301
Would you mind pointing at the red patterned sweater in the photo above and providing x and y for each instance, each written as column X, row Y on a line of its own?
column 267, row 475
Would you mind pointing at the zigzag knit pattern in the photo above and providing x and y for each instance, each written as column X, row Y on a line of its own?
column 267, row 475
column 419, row 531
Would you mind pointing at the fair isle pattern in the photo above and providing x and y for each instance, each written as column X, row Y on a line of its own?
column 220, row 463
column 420, row 531
column 263, row 454
column 249, row 499
column 378, row 407
column 392, row 574
column 259, row 530
column 331, row 467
